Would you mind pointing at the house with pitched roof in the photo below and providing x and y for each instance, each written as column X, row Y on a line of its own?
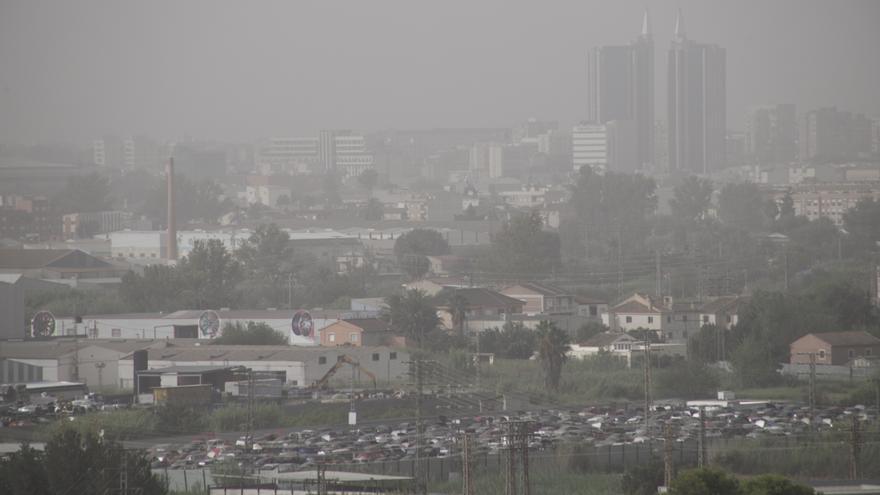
column 356, row 332
column 484, row 308
column 542, row 298
column 723, row 312
column 672, row 321
column 834, row 348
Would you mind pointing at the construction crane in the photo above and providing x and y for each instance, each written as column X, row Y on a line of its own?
column 343, row 359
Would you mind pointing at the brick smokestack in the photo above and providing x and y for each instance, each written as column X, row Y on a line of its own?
column 171, row 244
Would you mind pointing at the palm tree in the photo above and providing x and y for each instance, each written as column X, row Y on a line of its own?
column 458, row 307
column 553, row 348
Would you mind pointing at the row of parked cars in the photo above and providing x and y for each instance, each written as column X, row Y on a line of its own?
column 599, row 426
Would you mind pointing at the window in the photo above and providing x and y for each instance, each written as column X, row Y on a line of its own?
column 668, row 319
column 684, row 317
column 650, row 319
column 115, row 333
column 393, row 355
column 868, row 351
column 331, row 337
column 851, row 353
column 705, row 318
column 353, row 337
column 821, row 353
column 322, row 360
column 728, row 319
column 684, row 334
column 375, row 356
column 629, row 319
column 340, row 358
column 594, row 311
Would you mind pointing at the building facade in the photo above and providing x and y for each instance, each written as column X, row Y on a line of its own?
column 621, row 88
column 697, row 100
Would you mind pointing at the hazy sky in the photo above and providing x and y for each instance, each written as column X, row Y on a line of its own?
column 240, row 70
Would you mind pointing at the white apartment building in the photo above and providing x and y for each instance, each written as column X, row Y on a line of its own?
column 486, row 160
column 590, row 147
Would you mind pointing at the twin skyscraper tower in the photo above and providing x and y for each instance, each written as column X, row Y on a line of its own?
column 621, row 94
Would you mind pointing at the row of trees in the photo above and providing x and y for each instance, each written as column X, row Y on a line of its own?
column 76, row 463
column 265, row 272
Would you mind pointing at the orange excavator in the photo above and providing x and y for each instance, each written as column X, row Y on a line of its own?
column 343, row 359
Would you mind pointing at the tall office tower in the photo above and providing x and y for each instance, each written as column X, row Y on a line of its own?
column 773, row 133
column 834, row 135
column 697, row 104
column 621, row 88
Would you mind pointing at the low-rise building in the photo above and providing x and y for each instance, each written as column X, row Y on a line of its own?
column 541, row 298
column 834, row 348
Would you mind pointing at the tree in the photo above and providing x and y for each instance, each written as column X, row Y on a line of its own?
column 373, row 211
column 606, row 212
column 863, row 224
column 553, row 348
column 771, row 484
column 204, row 200
column 368, row 180
column 704, row 481
column 741, row 206
column 522, row 246
column 23, row 473
column 86, row 193
column 643, row 479
column 426, row 242
column 512, row 341
column 458, row 307
column 691, row 199
column 270, row 265
column 415, row 265
column 412, row 314
column 86, row 463
column 210, row 274
column 589, row 330
column 249, row 334
column 158, row 289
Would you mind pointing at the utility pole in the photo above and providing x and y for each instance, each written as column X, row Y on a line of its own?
column 249, row 427
column 419, row 426
column 619, row 266
column 468, row 488
column 855, row 449
column 525, row 432
column 321, row 477
column 702, row 439
column 647, row 387
column 511, row 441
column 123, row 474
column 812, row 391
column 659, row 277
column 785, row 266
column 668, row 468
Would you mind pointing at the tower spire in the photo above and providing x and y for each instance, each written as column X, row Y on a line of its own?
column 679, row 25
column 646, row 24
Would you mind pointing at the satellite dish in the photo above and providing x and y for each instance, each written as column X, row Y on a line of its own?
column 301, row 324
column 43, row 324
column 209, row 324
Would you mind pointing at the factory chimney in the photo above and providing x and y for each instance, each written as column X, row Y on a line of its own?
column 171, row 241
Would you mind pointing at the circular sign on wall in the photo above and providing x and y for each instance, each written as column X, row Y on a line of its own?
column 209, row 324
column 301, row 324
column 43, row 324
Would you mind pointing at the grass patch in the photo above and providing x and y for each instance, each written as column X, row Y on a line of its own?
column 542, row 483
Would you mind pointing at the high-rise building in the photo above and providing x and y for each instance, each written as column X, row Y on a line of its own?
column 621, row 88
column 697, row 104
column 605, row 147
column 835, row 135
column 773, row 133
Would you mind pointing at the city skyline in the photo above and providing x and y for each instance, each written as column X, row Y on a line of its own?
column 503, row 64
